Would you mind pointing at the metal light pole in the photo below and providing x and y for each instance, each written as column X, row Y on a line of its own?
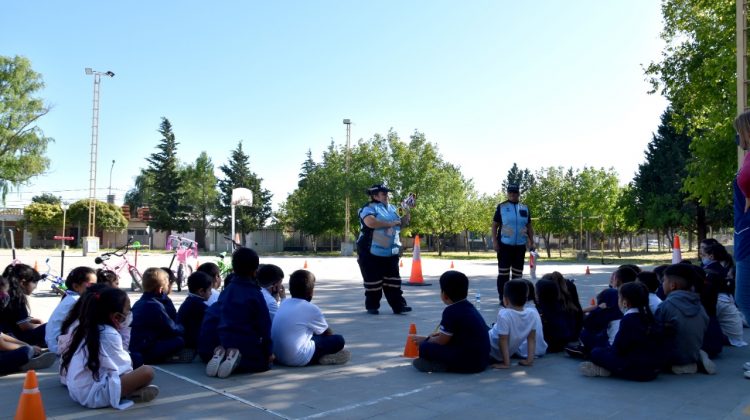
column 347, row 248
column 110, row 197
column 91, row 242
column 64, row 207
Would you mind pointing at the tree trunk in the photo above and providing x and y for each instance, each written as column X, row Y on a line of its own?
column 466, row 241
column 546, row 238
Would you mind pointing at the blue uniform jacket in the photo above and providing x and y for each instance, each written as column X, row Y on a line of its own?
column 190, row 316
column 151, row 322
column 245, row 323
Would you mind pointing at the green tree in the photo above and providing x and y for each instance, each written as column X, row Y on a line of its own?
column 46, row 198
column 43, row 218
column 168, row 207
column 200, row 194
column 142, row 192
column 237, row 174
column 109, row 217
column 523, row 178
column 697, row 75
column 549, row 202
column 22, row 143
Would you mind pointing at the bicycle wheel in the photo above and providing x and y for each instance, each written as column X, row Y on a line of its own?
column 180, row 276
column 136, row 284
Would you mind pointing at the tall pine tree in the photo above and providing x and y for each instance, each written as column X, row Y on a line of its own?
column 237, row 174
column 168, row 211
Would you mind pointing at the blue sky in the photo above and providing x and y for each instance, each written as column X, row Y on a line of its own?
column 542, row 83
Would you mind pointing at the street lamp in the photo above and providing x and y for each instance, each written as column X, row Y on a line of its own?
column 110, row 197
column 64, row 205
column 91, row 242
column 347, row 248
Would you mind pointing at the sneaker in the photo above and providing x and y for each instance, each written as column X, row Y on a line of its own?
column 229, row 364
column 145, row 394
column 685, row 369
column 183, row 356
column 747, row 374
column 402, row 310
column 424, row 365
column 338, row 358
column 42, row 361
column 575, row 352
column 708, row 365
column 590, row 369
column 746, row 366
column 212, row 368
column 373, row 311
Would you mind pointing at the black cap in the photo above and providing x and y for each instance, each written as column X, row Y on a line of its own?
column 378, row 188
column 513, row 188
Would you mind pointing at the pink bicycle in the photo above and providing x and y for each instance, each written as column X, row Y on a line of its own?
column 183, row 249
column 122, row 264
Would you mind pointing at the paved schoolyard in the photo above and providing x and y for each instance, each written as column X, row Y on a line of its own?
column 379, row 383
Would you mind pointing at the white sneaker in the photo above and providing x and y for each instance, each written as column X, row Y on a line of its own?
column 229, row 364
column 746, row 366
column 591, row 369
column 212, row 368
column 708, row 365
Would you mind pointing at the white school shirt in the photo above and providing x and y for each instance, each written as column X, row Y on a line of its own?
column 292, row 329
column 57, row 318
column 273, row 306
column 213, row 298
column 653, row 302
column 730, row 320
column 517, row 325
column 541, row 345
column 114, row 362
column 612, row 328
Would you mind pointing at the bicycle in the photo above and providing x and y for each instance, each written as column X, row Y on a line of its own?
column 224, row 266
column 57, row 282
column 124, row 263
column 183, row 249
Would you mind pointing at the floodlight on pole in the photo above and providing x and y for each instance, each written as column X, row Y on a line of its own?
column 240, row 197
column 91, row 243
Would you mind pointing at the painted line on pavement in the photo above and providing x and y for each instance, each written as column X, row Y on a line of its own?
column 364, row 404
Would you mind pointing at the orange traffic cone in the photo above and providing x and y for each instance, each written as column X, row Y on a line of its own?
column 30, row 405
column 410, row 349
column 452, row 266
column 416, row 278
column 36, row 265
column 401, row 263
column 676, row 253
column 593, row 301
column 588, row 272
column 305, row 266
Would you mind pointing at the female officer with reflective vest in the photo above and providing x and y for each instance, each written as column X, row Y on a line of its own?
column 511, row 234
column 378, row 250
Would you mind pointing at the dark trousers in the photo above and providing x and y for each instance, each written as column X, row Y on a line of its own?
column 608, row 358
column 381, row 276
column 162, row 350
column 509, row 265
column 326, row 344
column 12, row 360
column 33, row 337
column 451, row 358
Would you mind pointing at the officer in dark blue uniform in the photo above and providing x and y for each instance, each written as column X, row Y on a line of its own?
column 511, row 234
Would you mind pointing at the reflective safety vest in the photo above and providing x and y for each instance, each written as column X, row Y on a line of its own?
column 382, row 242
column 515, row 217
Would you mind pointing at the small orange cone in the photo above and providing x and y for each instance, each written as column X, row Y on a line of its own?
column 452, row 266
column 30, row 405
column 36, row 265
column 305, row 266
column 593, row 301
column 676, row 253
column 416, row 278
column 401, row 263
column 588, row 272
column 411, row 350
column 197, row 265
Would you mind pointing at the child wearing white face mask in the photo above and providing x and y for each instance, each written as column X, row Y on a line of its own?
column 77, row 282
column 97, row 368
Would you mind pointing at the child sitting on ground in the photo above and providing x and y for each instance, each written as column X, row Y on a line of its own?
column 301, row 336
column 515, row 324
column 244, row 327
column 636, row 351
column 191, row 312
column 77, row 282
column 15, row 318
column 461, row 343
column 215, row 273
column 155, row 334
column 208, row 339
column 730, row 318
column 684, row 320
column 15, row 355
column 108, row 277
column 599, row 326
column 271, row 278
column 98, row 370
column 541, row 345
column 559, row 324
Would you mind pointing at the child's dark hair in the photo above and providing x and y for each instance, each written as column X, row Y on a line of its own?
column 632, row 267
column 104, row 276
column 455, row 285
column 171, row 278
column 211, row 269
column 75, row 311
column 199, row 280
column 301, row 284
column 649, row 279
column 77, row 276
column 720, row 254
column 636, row 294
column 625, row 274
column 4, row 283
column 245, row 262
column 16, row 275
column 516, row 291
column 269, row 274
column 683, row 275
column 659, row 270
column 95, row 312
column 531, row 297
column 565, row 296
